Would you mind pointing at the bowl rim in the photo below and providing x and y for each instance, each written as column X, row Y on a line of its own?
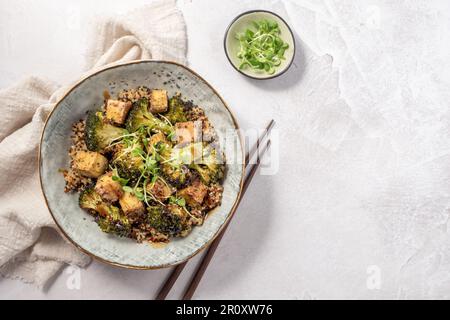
column 244, row 73
column 219, row 230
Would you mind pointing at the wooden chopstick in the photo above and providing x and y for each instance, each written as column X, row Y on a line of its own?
column 212, row 248
column 165, row 289
column 173, row 277
column 255, row 147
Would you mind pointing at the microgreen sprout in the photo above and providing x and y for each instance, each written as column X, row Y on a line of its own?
column 178, row 201
column 116, row 177
column 127, row 189
column 121, row 139
column 262, row 48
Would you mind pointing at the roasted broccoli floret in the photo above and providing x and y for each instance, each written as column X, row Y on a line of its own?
column 109, row 218
column 90, row 200
column 98, row 133
column 170, row 219
column 140, row 116
column 128, row 164
column 177, row 110
column 178, row 176
column 210, row 167
column 207, row 174
column 115, row 222
column 174, row 170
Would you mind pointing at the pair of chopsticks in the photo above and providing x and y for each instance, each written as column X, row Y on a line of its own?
column 198, row 274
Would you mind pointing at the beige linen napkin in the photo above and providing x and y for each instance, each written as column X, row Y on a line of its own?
column 31, row 248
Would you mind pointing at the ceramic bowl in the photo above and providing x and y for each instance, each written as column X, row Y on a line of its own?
column 78, row 226
column 240, row 24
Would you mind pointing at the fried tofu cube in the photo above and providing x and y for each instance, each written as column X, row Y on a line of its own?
column 90, row 164
column 208, row 132
column 186, row 132
column 194, row 194
column 116, row 111
column 131, row 205
column 160, row 190
column 107, row 188
column 158, row 101
column 157, row 137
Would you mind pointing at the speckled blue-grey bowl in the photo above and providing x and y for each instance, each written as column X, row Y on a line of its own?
column 76, row 224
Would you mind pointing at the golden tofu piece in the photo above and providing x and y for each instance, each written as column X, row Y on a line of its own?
column 158, row 101
column 208, row 132
column 107, row 188
column 194, row 194
column 160, row 190
column 131, row 205
column 90, row 164
column 186, row 132
column 116, row 111
column 155, row 138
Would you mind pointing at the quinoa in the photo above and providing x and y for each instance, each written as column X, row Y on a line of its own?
column 197, row 217
column 134, row 94
column 136, row 225
column 145, row 232
column 194, row 113
column 158, row 237
column 213, row 197
column 75, row 181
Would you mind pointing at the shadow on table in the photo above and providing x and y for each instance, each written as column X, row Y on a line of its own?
column 246, row 238
column 143, row 283
column 291, row 77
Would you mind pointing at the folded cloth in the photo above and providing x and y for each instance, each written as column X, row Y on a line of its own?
column 31, row 248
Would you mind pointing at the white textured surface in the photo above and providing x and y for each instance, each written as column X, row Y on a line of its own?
column 364, row 175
